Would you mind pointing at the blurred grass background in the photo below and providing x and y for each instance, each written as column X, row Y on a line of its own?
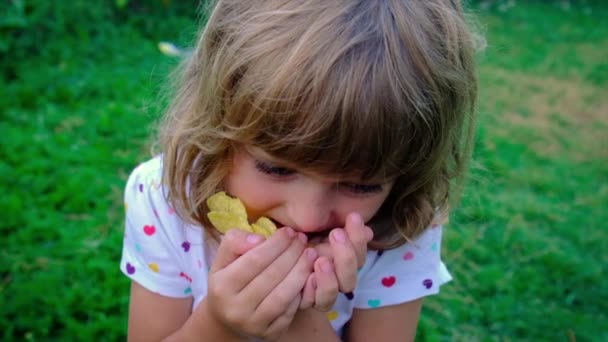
column 82, row 86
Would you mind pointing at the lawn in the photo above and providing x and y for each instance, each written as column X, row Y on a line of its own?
column 82, row 86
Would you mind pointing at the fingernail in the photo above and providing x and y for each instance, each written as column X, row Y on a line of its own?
column 290, row 232
column 254, row 238
column 326, row 266
column 303, row 237
column 311, row 254
column 356, row 219
column 339, row 235
column 370, row 233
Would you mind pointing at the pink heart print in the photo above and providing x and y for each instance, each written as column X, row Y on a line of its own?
column 149, row 230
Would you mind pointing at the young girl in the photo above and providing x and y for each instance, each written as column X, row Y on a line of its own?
column 344, row 122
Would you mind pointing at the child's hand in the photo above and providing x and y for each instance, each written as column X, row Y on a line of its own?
column 336, row 268
column 255, row 291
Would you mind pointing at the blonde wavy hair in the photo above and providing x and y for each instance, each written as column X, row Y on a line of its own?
column 374, row 88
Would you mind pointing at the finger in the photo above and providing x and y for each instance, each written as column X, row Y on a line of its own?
column 324, row 249
column 327, row 285
column 345, row 259
column 248, row 266
column 235, row 243
column 359, row 235
column 282, row 322
column 290, row 287
column 265, row 282
column 308, row 294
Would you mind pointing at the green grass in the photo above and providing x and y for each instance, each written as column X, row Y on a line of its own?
column 527, row 246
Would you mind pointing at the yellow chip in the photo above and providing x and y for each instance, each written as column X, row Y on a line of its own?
column 224, row 221
column 226, row 213
column 259, row 230
column 223, row 202
column 264, row 226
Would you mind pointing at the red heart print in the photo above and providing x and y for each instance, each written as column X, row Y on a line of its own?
column 149, row 230
column 408, row 256
column 185, row 276
column 389, row 281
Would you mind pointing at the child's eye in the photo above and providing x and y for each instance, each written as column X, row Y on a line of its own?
column 361, row 189
column 273, row 170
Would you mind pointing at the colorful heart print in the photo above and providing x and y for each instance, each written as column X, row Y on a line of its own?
column 332, row 315
column 186, row 246
column 428, row 283
column 149, row 230
column 130, row 268
column 389, row 281
column 185, row 276
column 408, row 256
column 373, row 303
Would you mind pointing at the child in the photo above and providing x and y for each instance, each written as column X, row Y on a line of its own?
column 345, row 122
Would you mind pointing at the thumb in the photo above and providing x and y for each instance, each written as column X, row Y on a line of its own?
column 359, row 235
column 235, row 243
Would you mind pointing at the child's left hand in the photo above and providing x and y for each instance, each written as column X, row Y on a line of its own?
column 341, row 255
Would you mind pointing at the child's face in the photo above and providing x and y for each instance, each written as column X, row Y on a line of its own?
column 308, row 203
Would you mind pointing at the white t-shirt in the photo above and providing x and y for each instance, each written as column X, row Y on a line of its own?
column 167, row 256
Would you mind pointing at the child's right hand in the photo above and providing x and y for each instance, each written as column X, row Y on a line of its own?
column 254, row 286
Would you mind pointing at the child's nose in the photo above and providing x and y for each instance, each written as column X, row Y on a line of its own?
column 310, row 212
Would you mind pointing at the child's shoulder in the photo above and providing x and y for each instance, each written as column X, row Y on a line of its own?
column 148, row 170
column 146, row 202
column 146, row 176
column 144, row 186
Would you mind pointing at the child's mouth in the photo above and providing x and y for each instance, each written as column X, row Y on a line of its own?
column 317, row 237
column 313, row 237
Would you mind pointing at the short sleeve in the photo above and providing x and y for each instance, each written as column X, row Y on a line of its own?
column 403, row 274
column 152, row 249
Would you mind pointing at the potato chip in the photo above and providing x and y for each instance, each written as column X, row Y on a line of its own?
column 264, row 226
column 224, row 221
column 227, row 213
column 222, row 202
